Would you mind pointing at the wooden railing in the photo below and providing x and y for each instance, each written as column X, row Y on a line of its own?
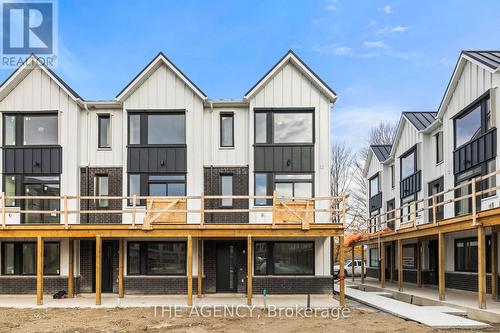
column 408, row 214
column 183, row 209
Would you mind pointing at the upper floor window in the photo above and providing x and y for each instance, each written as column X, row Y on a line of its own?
column 104, row 128
column 101, row 184
column 438, row 137
column 284, row 127
column 473, row 122
column 393, row 176
column 409, row 163
column 157, row 128
column 227, row 130
column 374, row 186
column 30, row 129
column 226, row 190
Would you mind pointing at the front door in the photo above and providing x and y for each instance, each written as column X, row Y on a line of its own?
column 107, row 266
column 433, row 261
column 228, row 265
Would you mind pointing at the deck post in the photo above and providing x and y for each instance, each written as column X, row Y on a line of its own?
column 392, row 263
column 121, row 263
column 202, row 210
column 39, row 271
column 362, row 264
column 494, row 264
column 353, row 269
column 189, row 270
column 382, row 265
column 481, row 267
column 249, row 270
column 441, row 266
column 419, row 263
column 98, row 269
column 71, row 266
column 400, row 265
column 341, row 271
column 200, row 268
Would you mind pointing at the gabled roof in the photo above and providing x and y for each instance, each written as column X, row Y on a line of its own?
column 381, row 151
column 149, row 69
column 290, row 56
column 25, row 69
column 421, row 119
column 489, row 60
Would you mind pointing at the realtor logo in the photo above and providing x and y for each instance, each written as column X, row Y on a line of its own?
column 28, row 27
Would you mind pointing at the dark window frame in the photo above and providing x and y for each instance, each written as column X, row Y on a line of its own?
column 412, row 150
column 393, row 176
column 144, row 184
column 480, row 101
column 18, row 259
column 100, row 117
column 439, row 199
column 143, row 258
column 439, row 147
column 228, row 115
column 22, row 202
column 377, row 175
column 487, row 250
column 19, row 128
column 221, row 205
column 271, row 184
column 414, row 247
column 143, row 125
column 372, row 259
column 97, row 191
column 270, row 125
column 270, row 258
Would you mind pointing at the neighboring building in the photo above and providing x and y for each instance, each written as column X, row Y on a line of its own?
column 433, row 152
column 162, row 136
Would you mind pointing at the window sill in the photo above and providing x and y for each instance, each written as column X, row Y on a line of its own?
column 226, row 148
column 439, row 163
column 104, row 149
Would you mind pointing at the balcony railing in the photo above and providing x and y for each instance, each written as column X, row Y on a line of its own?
column 375, row 202
column 482, row 190
column 475, row 152
column 411, row 184
column 184, row 209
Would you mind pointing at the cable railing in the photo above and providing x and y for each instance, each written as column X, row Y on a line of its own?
column 407, row 216
column 148, row 211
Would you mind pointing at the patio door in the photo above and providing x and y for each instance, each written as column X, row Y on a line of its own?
column 41, row 186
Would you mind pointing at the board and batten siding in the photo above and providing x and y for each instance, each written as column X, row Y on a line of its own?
column 39, row 92
column 164, row 90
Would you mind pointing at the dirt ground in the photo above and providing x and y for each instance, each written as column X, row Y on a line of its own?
column 144, row 319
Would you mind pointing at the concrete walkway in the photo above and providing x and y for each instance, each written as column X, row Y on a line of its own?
column 436, row 317
column 133, row 301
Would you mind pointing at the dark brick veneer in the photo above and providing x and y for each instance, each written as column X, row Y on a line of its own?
column 158, row 285
column 292, row 284
column 27, row 284
column 212, row 186
column 87, row 187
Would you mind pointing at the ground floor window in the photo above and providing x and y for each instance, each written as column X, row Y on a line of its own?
column 410, row 256
column 374, row 257
column 19, row 258
column 156, row 185
column 156, row 258
column 284, row 258
column 466, row 254
column 406, row 213
column 298, row 185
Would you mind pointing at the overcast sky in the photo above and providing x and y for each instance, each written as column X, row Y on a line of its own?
column 381, row 57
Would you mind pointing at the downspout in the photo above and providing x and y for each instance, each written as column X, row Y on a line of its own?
column 87, row 164
column 212, row 147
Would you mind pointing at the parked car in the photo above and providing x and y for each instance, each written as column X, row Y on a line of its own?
column 348, row 268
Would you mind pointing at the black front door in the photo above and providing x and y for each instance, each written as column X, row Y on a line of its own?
column 228, row 265
column 107, row 266
column 433, row 261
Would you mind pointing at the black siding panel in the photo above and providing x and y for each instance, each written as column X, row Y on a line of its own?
column 149, row 159
column 32, row 160
column 284, row 158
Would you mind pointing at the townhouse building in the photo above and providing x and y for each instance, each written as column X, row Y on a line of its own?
column 162, row 185
column 433, row 201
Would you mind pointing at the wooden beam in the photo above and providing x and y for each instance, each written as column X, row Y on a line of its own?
column 71, row 267
column 98, row 269
column 362, row 264
column 481, row 267
column 249, row 270
column 39, row 271
column 341, row 271
column 121, row 268
column 353, row 269
column 419, row 263
column 400, row 265
column 200, row 267
column 190, row 270
column 441, row 266
column 392, row 262
column 494, row 264
column 382, row 265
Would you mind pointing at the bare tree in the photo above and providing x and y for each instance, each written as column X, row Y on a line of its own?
column 343, row 159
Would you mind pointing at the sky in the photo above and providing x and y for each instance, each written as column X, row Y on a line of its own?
column 381, row 57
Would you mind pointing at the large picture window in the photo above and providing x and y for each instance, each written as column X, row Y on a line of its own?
column 41, row 186
column 30, row 129
column 286, row 185
column 156, row 258
column 284, row 258
column 373, row 257
column 466, row 254
column 409, row 163
column 161, row 185
column 19, row 258
column 284, row 127
column 374, row 186
column 473, row 121
column 409, row 256
column 159, row 128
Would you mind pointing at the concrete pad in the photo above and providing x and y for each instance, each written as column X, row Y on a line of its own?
column 430, row 316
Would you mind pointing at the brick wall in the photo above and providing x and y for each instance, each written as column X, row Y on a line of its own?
column 158, row 285
column 292, row 285
column 87, row 187
column 212, row 186
column 27, row 284
column 466, row 281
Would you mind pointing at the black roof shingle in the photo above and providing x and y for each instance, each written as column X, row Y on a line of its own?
column 488, row 58
column 421, row 120
column 381, row 151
